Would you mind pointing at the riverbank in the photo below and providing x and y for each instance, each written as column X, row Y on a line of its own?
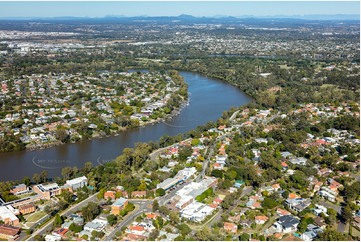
column 209, row 98
column 173, row 114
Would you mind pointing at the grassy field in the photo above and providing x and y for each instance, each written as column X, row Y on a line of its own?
column 36, row 216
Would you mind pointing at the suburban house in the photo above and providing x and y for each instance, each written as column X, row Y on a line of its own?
column 109, row 195
column 95, row 225
column 286, row 224
column 230, row 227
column 119, row 205
column 139, row 194
column 298, row 204
column 260, row 219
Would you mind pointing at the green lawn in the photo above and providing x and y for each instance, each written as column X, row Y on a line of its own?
column 36, row 216
column 355, row 232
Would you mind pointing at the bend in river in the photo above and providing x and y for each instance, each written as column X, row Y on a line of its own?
column 208, row 99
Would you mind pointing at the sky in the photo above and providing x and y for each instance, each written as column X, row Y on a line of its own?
column 175, row 8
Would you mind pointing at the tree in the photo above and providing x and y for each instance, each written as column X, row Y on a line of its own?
column 90, row 211
column 44, row 176
column 269, row 203
column 67, row 196
column 160, row 192
column 58, row 220
column 184, row 229
column 36, row 178
column 332, row 235
column 231, row 175
column 87, row 167
column 203, row 234
column 155, row 206
column 62, row 135
column 217, row 173
column 158, row 222
column 75, row 228
column 184, row 152
column 66, row 172
column 346, row 213
column 244, row 237
column 100, row 195
column 26, row 181
column 142, row 186
column 153, row 235
column 112, row 219
column 173, row 216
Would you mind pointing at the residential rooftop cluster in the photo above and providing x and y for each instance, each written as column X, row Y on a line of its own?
column 44, row 110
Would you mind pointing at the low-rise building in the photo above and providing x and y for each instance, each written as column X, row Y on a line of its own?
column 119, row 205
column 298, row 204
column 109, row 195
column 18, row 189
column 8, row 232
column 230, row 227
column 47, row 191
column 95, row 225
column 7, row 215
column 27, row 208
column 139, row 194
column 286, row 224
column 77, row 183
column 260, row 219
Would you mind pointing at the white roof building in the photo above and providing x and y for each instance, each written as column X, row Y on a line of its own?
column 7, row 214
column 77, row 182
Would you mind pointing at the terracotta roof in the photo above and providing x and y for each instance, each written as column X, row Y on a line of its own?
column 152, row 215
column 229, row 226
column 276, row 186
column 137, row 228
column 213, row 205
column 292, row 195
column 26, row 206
column 9, row 230
column 282, row 211
column 134, row 237
column 256, row 205
column 264, row 218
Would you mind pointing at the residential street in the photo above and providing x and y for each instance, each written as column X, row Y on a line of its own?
column 67, row 212
column 143, row 208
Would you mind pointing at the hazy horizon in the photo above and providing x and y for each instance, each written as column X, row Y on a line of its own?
column 162, row 9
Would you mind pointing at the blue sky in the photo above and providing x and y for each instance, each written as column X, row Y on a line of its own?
column 173, row 8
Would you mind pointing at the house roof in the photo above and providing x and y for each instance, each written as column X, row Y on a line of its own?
column 282, row 211
column 120, row 202
column 152, row 215
column 288, row 221
column 137, row 228
column 9, row 230
column 229, row 226
column 292, row 195
column 262, row 217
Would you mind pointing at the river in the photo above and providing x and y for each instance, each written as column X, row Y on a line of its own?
column 208, row 99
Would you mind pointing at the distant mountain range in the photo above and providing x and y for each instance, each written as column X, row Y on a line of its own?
column 187, row 18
